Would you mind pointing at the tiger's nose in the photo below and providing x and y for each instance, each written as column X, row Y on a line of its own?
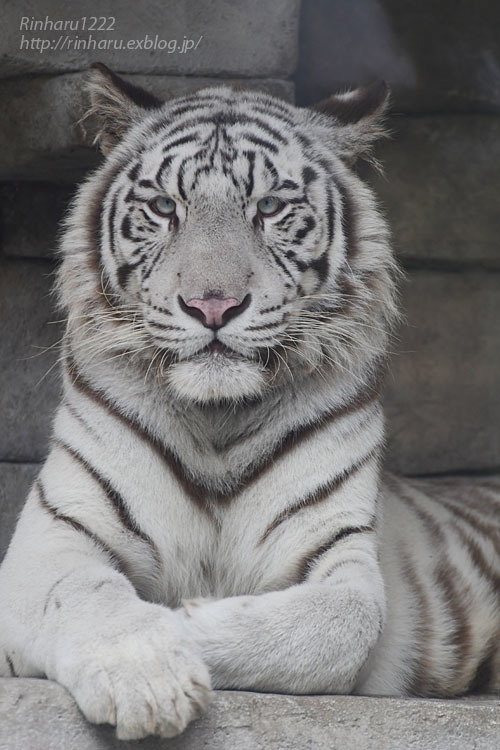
column 214, row 310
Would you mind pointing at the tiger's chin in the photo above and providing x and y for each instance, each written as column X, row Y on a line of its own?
column 211, row 379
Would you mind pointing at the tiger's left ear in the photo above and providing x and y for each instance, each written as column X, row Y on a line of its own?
column 358, row 117
column 116, row 104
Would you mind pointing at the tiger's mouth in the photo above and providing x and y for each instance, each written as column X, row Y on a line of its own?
column 217, row 350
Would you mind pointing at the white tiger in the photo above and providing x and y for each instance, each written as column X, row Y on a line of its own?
column 211, row 513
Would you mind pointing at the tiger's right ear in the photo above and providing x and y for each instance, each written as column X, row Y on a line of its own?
column 357, row 118
column 116, row 104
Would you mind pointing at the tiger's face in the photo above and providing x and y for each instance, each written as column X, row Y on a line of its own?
column 223, row 230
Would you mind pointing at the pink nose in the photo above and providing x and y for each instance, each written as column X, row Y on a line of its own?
column 214, row 311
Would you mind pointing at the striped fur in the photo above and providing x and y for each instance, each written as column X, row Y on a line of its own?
column 213, row 514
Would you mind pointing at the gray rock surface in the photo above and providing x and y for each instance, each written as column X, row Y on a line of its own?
column 230, row 37
column 41, row 715
column 30, row 213
column 442, row 398
column 29, row 388
column 437, row 56
column 15, row 481
column 440, row 188
column 42, row 138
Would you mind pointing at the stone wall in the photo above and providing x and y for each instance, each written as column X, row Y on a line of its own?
column 440, row 191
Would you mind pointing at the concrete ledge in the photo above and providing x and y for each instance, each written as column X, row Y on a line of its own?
column 36, row 714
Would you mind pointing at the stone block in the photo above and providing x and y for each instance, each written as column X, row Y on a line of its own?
column 442, row 398
column 29, row 379
column 30, row 213
column 15, row 481
column 42, row 138
column 218, row 37
column 41, row 714
column 440, row 189
column 436, row 56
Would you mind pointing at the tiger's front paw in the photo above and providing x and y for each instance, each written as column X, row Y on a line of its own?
column 145, row 679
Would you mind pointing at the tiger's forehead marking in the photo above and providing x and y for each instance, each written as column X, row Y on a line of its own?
column 218, row 118
column 239, row 136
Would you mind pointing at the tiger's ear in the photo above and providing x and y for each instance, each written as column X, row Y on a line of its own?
column 116, row 104
column 358, row 117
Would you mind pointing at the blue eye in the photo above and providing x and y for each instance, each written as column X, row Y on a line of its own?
column 269, row 206
column 162, row 206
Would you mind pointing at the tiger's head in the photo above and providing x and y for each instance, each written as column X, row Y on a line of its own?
column 225, row 246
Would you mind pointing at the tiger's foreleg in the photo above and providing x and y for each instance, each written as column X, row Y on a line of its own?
column 310, row 638
column 68, row 613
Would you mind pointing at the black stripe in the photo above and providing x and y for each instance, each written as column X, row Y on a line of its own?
column 77, row 526
column 422, row 680
column 181, row 141
column 308, row 226
column 309, row 175
column 125, row 228
column 297, row 435
column 475, row 550
column 348, row 222
column 165, row 163
column 195, row 492
column 228, row 119
column 76, row 415
column 251, row 167
column 265, row 327
column 448, row 579
column 123, row 272
column 321, row 493
column 180, row 177
column 131, row 196
column 274, row 174
column 114, row 497
column 261, row 142
column 111, row 225
column 164, row 326
column 134, row 172
column 10, row 664
column 288, row 185
column 280, row 263
column 148, row 218
column 285, row 221
column 152, row 264
column 93, row 223
column 330, row 215
column 321, row 265
column 307, row 564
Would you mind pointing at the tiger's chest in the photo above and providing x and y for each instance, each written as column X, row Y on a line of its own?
column 224, row 548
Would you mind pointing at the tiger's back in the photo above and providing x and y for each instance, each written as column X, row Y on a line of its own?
column 440, row 556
